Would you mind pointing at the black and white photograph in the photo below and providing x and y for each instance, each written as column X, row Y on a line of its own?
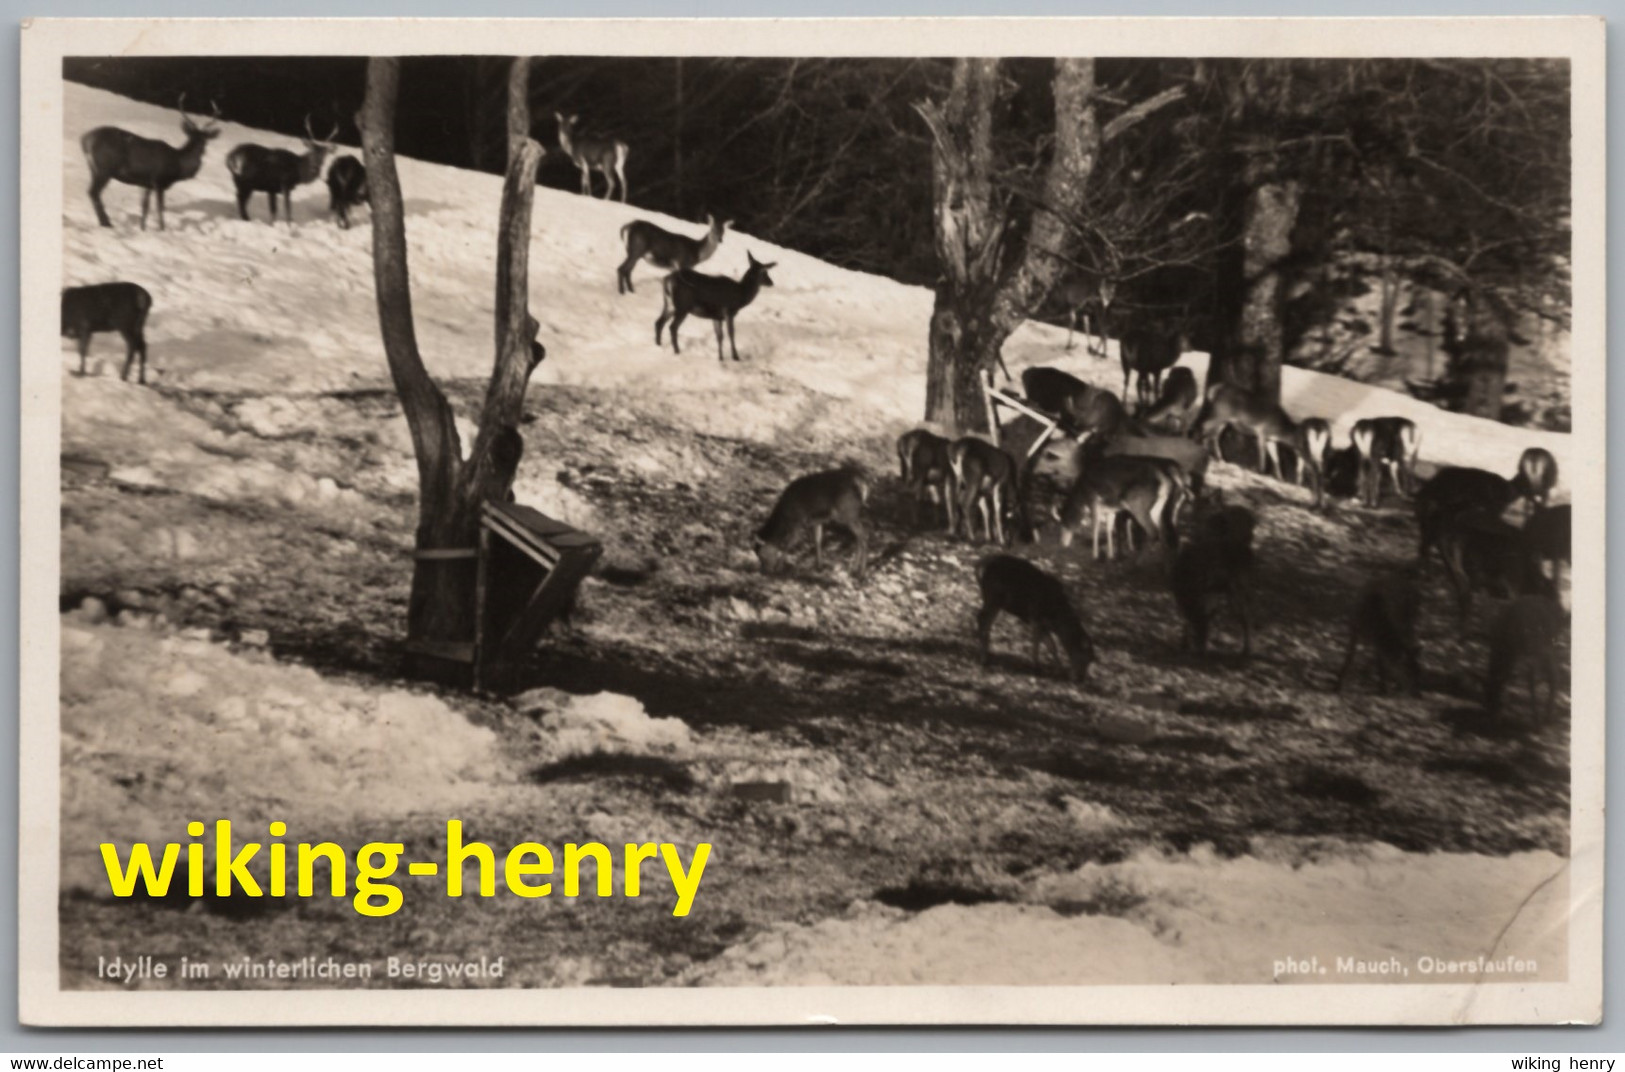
column 912, row 521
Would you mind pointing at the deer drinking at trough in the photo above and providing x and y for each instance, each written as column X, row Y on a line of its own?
column 835, row 496
column 256, row 169
column 711, row 297
column 120, row 307
column 117, row 155
column 1016, row 587
column 663, row 249
column 346, row 188
column 607, row 156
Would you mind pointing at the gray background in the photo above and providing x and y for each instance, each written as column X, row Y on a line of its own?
column 1609, row 1037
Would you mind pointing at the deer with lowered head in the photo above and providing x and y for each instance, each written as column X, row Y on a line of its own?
column 117, row 155
column 711, row 297
column 256, row 169
column 607, row 156
column 663, row 249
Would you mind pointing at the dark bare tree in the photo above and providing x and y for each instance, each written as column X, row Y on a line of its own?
column 995, row 272
column 452, row 487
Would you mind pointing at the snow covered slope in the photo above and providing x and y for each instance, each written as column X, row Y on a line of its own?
column 247, row 307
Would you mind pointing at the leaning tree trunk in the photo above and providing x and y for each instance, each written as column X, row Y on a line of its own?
column 451, row 488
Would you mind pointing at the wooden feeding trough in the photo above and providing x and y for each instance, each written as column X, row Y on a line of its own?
column 1048, row 425
column 528, row 568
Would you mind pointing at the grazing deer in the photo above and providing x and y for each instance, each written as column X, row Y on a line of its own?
column 1089, row 299
column 663, row 249
column 1526, row 632
column 155, row 166
column 1014, row 586
column 710, row 297
column 985, row 478
column 1455, row 490
column 1385, row 616
column 813, row 501
column 1266, row 421
column 256, row 169
column 1147, row 353
column 1189, row 457
column 1143, row 487
column 346, row 188
column 923, row 456
column 1537, row 476
column 120, row 307
column 1386, row 444
column 1177, row 404
column 607, row 156
column 1549, row 535
column 1218, row 562
column 1314, row 438
column 1481, row 551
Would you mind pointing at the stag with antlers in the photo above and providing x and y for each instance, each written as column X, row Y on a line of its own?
column 257, row 169
column 155, row 166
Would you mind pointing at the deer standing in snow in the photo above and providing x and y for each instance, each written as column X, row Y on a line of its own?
column 155, row 166
column 604, row 155
column 120, row 307
column 257, row 169
column 663, row 249
column 711, row 297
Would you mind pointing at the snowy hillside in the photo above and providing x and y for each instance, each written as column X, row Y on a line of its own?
column 246, row 308
column 237, row 542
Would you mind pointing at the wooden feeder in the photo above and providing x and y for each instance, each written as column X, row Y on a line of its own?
column 1048, row 424
column 528, row 567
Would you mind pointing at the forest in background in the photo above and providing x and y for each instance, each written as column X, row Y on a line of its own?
column 1426, row 202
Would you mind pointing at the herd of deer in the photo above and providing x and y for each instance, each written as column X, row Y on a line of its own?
column 1151, row 466
column 116, row 155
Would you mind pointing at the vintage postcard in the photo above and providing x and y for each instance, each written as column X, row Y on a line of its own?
column 944, row 521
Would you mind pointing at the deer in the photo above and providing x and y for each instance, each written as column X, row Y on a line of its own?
column 346, row 188
column 117, row 155
column 1537, row 476
column 1385, row 444
column 1218, row 562
column 1143, row 487
column 607, row 156
column 1176, row 406
column 1052, row 390
column 1087, row 299
column 835, row 496
column 1265, row 420
column 257, row 169
column 1455, row 490
column 1480, row 550
column 1384, row 618
column 120, row 307
column 1014, row 586
column 1526, row 632
column 923, row 456
column 663, row 249
column 985, row 478
column 711, row 297
column 1147, row 353
column 1548, row 536
column 1312, row 439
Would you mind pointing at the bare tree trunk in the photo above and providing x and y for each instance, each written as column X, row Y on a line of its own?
column 677, row 140
column 450, row 488
column 987, row 289
column 1389, row 306
column 1253, row 359
column 1480, row 364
